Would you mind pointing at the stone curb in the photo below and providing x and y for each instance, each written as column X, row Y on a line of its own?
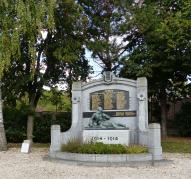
column 108, row 159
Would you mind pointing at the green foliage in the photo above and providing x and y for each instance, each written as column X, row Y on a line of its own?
column 160, row 45
column 182, row 121
column 36, row 61
column 71, row 146
column 74, row 146
column 135, row 149
column 15, row 124
column 43, row 124
column 22, row 17
column 58, row 58
column 161, row 50
column 108, row 21
column 62, row 102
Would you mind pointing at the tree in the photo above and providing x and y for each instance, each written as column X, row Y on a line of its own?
column 107, row 30
column 183, row 120
column 18, row 17
column 51, row 58
column 161, row 49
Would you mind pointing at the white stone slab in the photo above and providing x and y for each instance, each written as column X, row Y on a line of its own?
column 25, row 148
column 107, row 136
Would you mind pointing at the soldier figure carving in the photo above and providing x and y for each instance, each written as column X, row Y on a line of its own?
column 102, row 120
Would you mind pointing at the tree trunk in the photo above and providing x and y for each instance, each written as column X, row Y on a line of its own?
column 30, row 119
column 163, row 116
column 3, row 140
column 30, row 125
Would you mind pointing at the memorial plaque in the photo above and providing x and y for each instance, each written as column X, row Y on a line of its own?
column 107, row 136
column 112, row 114
column 109, row 100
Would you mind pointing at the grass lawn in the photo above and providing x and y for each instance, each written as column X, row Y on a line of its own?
column 176, row 145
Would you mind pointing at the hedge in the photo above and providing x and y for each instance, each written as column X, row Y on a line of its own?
column 15, row 122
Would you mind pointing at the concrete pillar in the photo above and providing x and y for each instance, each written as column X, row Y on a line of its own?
column 142, row 104
column 55, row 138
column 75, row 132
column 142, row 111
column 155, row 141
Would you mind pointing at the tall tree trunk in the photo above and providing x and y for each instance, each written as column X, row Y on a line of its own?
column 30, row 125
column 3, row 141
column 30, row 119
column 163, row 115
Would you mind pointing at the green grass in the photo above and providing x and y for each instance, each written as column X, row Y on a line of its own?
column 100, row 148
column 176, row 145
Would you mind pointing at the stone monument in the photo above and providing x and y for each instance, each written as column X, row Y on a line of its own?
column 110, row 110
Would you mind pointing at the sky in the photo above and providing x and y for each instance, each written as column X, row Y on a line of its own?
column 96, row 68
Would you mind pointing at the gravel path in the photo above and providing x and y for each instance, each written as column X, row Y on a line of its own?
column 15, row 165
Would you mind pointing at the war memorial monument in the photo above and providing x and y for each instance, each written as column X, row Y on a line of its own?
column 110, row 110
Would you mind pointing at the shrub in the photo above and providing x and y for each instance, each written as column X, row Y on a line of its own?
column 182, row 120
column 15, row 122
column 74, row 146
column 136, row 149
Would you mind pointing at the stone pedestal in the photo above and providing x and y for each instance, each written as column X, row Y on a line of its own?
column 107, row 136
column 155, row 141
column 55, row 138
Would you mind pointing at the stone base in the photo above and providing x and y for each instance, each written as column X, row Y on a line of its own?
column 107, row 160
column 156, row 152
column 107, row 136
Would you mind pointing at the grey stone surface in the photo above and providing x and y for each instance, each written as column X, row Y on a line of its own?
column 55, row 138
column 107, row 136
column 75, row 132
column 101, row 157
column 76, row 86
column 140, row 132
column 121, row 158
column 155, row 141
column 107, row 159
column 26, row 146
column 139, row 157
column 143, row 138
column 86, row 157
column 142, row 104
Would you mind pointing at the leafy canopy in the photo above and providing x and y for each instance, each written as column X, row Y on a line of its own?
column 22, row 17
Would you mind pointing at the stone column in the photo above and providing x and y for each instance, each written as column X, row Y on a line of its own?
column 142, row 103
column 142, row 112
column 55, row 138
column 155, row 141
column 75, row 132
column 76, row 111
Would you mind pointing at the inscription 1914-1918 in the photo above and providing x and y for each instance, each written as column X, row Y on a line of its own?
column 109, row 100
